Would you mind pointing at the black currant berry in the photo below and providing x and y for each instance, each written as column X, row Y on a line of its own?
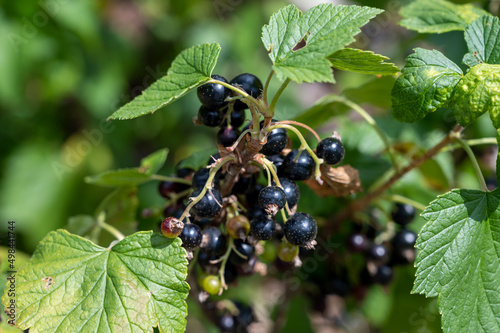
column 200, row 178
column 166, row 188
column 205, row 261
column 291, row 191
column 404, row 240
column 213, row 242
column 237, row 118
column 276, row 140
column 252, row 86
column 276, row 159
column 262, row 227
column 253, row 196
column 213, row 95
column 331, row 150
column 213, row 158
column 357, row 243
column 183, row 172
column 272, row 199
column 190, row 236
column 203, row 222
column 210, row 117
column 244, row 185
column 243, row 248
column 227, row 136
column 210, row 205
column 378, row 252
column 245, row 317
column 403, row 214
column 384, row 275
column 254, row 211
column 227, row 323
column 301, row 229
column 300, row 169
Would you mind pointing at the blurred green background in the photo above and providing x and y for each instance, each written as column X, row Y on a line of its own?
column 67, row 65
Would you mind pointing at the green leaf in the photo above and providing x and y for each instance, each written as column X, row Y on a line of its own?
column 121, row 177
column 85, row 226
column 152, row 163
column 426, row 83
column 437, row 16
column 132, row 176
column 119, row 209
column 197, row 159
column 299, row 43
column 459, row 259
column 73, row 285
column 360, row 61
column 476, row 93
column 482, row 38
column 189, row 70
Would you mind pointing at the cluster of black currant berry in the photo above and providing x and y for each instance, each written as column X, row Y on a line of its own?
column 383, row 256
column 229, row 222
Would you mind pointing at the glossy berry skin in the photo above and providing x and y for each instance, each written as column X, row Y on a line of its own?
column 190, row 236
column 227, row 323
column 171, row 227
column 200, row 178
column 378, row 252
column 276, row 140
column 245, row 317
column 291, row 191
column 237, row 118
column 301, row 169
column 204, row 260
column 272, row 199
column 403, row 214
column 276, row 159
column 211, row 284
column 254, row 211
column 300, row 229
column 184, row 172
column 214, row 95
column 210, row 117
column 227, row 136
column 252, row 86
column 245, row 249
column 210, row 205
column 287, row 251
column 384, row 275
column 357, row 243
column 262, row 227
column 238, row 226
column 404, row 240
column 331, row 150
column 166, row 188
column 213, row 242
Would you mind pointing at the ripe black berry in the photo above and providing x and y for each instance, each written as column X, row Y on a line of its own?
column 244, row 185
column 166, row 188
column 384, row 275
column 404, row 239
column 227, row 323
column 210, row 205
column 262, row 227
column 200, row 178
column 190, row 236
column 276, row 140
column 331, row 150
column 277, row 160
column 210, row 117
column 213, row 95
column 301, row 169
column 251, row 84
column 213, row 242
column 272, row 199
column 227, row 136
column 403, row 214
column 245, row 317
column 205, row 261
column 357, row 243
column 243, row 248
column 301, row 229
column 378, row 252
column 237, row 118
column 291, row 191
column 254, row 211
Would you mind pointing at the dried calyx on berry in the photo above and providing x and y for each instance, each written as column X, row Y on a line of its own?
column 272, row 199
column 171, row 227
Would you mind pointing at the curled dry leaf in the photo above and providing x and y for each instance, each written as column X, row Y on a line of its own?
column 337, row 182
